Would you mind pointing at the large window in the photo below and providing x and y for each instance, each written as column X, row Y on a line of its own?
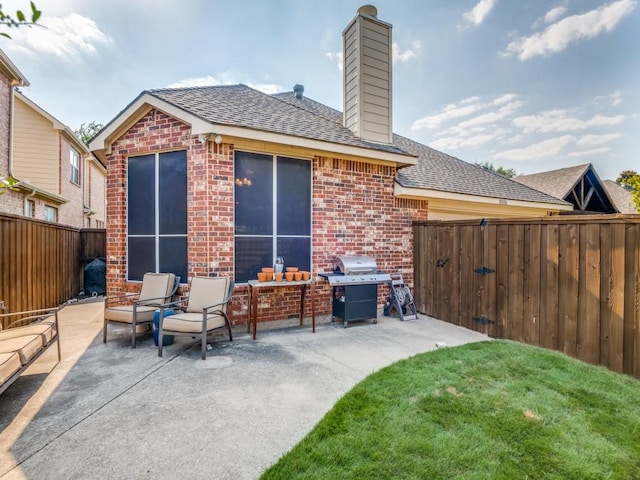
column 74, row 166
column 272, row 213
column 157, row 214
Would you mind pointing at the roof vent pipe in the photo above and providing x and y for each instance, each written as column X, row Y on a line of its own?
column 298, row 90
column 368, row 10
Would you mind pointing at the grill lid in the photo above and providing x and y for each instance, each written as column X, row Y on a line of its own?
column 354, row 265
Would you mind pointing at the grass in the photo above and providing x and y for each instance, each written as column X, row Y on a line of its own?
column 489, row 410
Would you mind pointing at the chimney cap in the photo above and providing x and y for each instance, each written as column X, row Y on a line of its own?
column 369, row 10
column 298, row 90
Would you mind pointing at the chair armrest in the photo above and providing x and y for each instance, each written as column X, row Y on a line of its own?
column 152, row 302
column 171, row 304
column 30, row 316
column 120, row 299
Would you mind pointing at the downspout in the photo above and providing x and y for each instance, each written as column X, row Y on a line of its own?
column 11, row 127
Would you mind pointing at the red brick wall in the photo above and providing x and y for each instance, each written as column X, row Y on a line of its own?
column 354, row 212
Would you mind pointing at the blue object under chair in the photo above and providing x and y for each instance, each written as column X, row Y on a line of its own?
column 166, row 339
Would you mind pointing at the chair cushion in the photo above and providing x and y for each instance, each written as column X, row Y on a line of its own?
column 44, row 329
column 9, row 364
column 191, row 323
column 205, row 292
column 157, row 285
column 124, row 314
column 26, row 346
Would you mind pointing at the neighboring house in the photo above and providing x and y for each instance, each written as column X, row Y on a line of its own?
column 58, row 179
column 10, row 78
column 221, row 180
column 580, row 185
column 621, row 197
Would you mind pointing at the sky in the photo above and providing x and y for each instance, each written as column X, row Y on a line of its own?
column 531, row 85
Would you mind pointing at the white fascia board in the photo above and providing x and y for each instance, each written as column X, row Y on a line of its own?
column 101, row 143
column 320, row 145
column 400, row 191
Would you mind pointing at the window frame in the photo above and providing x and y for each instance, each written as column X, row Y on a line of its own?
column 50, row 209
column 74, row 166
column 29, row 208
column 274, row 235
column 157, row 236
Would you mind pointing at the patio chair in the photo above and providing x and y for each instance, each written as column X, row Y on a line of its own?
column 203, row 312
column 133, row 309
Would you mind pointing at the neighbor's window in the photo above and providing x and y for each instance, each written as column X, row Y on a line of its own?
column 272, row 213
column 74, row 166
column 50, row 213
column 157, row 214
column 29, row 208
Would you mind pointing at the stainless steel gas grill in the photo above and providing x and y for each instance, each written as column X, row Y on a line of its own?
column 355, row 282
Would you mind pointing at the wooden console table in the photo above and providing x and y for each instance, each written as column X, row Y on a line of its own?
column 254, row 293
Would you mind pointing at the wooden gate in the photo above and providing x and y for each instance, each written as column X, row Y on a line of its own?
column 568, row 283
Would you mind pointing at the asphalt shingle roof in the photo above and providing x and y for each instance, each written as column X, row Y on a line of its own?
column 239, row 105
column 620, row 196
column 242, row 106
column 557, row 183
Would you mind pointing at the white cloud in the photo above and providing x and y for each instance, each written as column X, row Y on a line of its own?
column 554, row 14
column 450, row 112
column 408, row 54
column 478, row 13
column 558, row 36
column 513, row 140
column 453, row 143
column 337, row 58
column 468, row 106
column 225, row 79
column 614, row 99
column 492, row 117
column 546, row 148
column 560, row 120
column 506, row 98
column 593, row 140
column 588, row 153
column 65, row 37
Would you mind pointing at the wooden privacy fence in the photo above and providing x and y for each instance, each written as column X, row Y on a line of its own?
column 567, row 283
column 40, row 262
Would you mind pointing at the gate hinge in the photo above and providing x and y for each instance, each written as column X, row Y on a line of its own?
column 483, row 320
column 441, row 263
column 484, row 270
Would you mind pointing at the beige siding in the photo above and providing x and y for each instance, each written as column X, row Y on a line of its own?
column 36, row 148
column 443, row 209
column 367, row 79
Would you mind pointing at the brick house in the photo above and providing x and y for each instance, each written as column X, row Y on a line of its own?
column 58, row 179
column 221, row 180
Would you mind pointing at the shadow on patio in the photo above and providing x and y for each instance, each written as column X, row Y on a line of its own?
column 109, row 411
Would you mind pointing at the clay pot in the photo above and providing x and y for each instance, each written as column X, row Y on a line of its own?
column 263, row 276
column 306, row 276
column 297, row 276
column 292, row 269
column 289, row 276
column 278, row 276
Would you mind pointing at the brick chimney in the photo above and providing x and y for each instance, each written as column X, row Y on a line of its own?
column 367, row 77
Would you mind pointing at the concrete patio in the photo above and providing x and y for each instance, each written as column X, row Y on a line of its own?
column 109, row 411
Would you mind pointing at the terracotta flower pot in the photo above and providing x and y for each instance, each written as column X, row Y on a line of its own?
column 292, row 269
column 297, row 276
column 278, row 276
column 289, row 276
column 262, row 276
column 306, row 276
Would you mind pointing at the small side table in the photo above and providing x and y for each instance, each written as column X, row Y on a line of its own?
column 254, row 292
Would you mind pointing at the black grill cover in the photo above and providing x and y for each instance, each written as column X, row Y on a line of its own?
column 95, row 278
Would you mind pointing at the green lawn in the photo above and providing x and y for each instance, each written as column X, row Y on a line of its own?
column 489, row 410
